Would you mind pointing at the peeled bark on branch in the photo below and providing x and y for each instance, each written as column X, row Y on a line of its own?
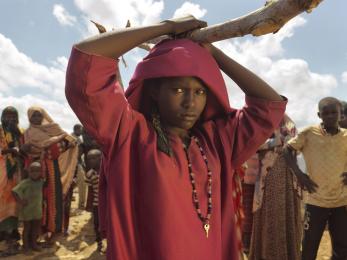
column 268, row 19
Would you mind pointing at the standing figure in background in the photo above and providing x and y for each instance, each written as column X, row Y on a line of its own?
column 28, row 194
column 324, row 148
column 58, row 154
column 88, row 144
column 93, row 161
column 11, row 168
column 81, row 186
column 276, row 229
column 248, row 185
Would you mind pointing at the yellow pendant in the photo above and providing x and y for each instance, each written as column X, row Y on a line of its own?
column 206, row 227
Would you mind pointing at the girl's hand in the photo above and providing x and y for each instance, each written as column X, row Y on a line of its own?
column 344, row 178
column 184, row 24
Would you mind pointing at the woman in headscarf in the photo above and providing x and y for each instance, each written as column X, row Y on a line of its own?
column 276, row 232
column 58, row 154
column 11, row 166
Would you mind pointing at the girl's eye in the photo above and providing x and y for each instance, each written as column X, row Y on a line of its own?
column 201, row 92
column 179, row 90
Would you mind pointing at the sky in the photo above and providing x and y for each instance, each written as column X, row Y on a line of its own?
column 305, row 61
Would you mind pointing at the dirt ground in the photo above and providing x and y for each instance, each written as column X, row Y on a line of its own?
column 80, row 244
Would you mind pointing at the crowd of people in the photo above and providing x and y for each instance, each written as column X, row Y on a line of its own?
column 174, row 172
column 39, row 169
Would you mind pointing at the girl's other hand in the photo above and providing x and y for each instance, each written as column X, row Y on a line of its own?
column 184, row 24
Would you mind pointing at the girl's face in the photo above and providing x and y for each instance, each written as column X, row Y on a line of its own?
column 36, row 118
column 180, row 100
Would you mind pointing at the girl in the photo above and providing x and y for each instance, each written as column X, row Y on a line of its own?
column 58, row 154
column 171, row 143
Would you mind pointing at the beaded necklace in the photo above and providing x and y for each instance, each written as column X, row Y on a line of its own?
column 205, row 220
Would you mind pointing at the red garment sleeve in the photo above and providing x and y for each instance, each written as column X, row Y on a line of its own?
column 254, row 124
column 95, row 95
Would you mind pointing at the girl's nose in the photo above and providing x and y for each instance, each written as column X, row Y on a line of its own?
column 189, row 99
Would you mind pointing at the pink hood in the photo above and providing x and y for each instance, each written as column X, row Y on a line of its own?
column 183, row 57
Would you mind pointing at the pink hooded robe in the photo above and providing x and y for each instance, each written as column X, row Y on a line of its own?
column 145, row 199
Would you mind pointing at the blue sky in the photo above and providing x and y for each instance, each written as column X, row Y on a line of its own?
column 305, row 61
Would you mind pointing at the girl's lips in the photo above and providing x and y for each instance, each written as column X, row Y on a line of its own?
column 188, row 116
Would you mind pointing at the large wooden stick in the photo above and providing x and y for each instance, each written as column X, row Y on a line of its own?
column 268, row 19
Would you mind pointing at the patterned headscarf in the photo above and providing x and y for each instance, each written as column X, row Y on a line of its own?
column 42, row 136
column 16, row 131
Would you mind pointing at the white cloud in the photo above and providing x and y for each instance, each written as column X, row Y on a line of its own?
column 24, row 82
column 20, row 71
column 59, row 111
column 190, row 8
column 63, row 17
column 290, row 77
column 114, row 14
column 344, row 77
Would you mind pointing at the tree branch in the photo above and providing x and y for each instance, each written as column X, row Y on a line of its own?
column 268, row 19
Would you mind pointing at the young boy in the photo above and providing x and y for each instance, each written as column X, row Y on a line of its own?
column 93, row 161
column 325, row 152
column 28, row 194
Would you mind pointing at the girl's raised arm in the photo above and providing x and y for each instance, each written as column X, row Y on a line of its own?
column 116, row 43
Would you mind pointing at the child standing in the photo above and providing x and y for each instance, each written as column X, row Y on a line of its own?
column 171, row 143
column 93, row 161
column 28, row 194
column 325, row 152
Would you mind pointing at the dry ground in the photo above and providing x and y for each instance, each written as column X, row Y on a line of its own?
column 80, row 243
